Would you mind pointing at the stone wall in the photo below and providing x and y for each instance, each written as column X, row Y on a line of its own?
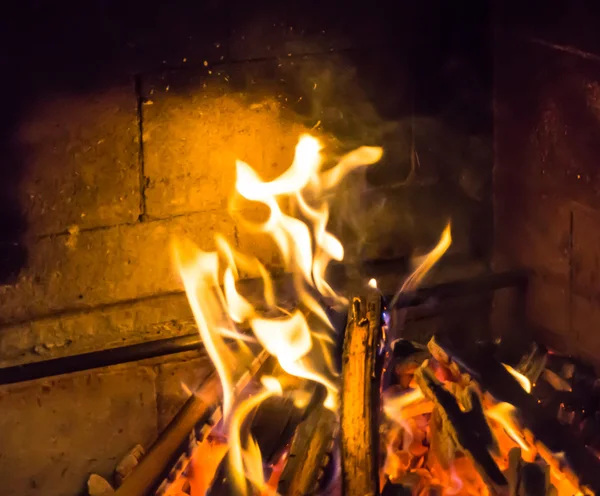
column 120, row 126
column 546, row 182
column 122, row 131
column 55, row 432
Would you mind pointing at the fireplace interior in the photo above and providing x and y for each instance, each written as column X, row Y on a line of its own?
column 324, row 248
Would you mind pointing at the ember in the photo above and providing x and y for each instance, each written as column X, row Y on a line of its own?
column 442, row 430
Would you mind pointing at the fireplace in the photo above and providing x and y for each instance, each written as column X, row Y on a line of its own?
column 122, row 127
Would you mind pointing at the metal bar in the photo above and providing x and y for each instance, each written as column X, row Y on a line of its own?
column 97, row 359
column 466, row 287
column 151, row 349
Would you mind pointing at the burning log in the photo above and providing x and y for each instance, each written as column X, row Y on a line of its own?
column 551, row 436
column 199, row 413
column 360, row 397
column 466, row 428
column 309, row 453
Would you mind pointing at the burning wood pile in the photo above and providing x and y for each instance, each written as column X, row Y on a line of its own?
column 446, row 418
column 444, row 432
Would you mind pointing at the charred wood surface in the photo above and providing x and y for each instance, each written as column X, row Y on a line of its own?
column 360, row 397
column 467, row 429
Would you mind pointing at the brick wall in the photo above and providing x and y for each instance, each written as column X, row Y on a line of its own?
column 121, row 124
column 546, row 181
column 124, row 131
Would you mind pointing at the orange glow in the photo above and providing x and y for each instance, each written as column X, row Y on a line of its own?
column 421, row 446
column 503, row 414
column 418, row 444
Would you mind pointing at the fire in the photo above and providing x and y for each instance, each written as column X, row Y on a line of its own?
column 525, row 383
column 423, row 449
column 439, row 459
column 306, row 247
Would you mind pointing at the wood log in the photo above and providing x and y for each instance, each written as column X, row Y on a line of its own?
column 309, row 453
column 198, row 409
column 360, row 397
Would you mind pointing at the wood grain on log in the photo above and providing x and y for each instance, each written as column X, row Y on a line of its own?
column 309, row 452
column 360, row 398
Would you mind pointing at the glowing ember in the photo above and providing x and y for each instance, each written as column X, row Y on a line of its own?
column 423, row 436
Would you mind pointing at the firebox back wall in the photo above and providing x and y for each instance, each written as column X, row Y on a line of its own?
column 121, row 124
column 546, row 174
column 120, row 137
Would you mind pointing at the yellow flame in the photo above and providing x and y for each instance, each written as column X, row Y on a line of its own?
column 393, row 406
column 250, row 265
column 425, row 265
column 523, row 381
column 239, row 308
column 429, row 260
column 211, row 281
column 199, row 272
column 247, row 464
column 289, row 339
column 307, row 161
column 503, row 414
column 365, row 155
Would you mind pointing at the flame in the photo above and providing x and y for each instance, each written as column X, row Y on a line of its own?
column 503, row 414
column 199, row 272
column 425, row 264
column 212, row 284
column 416, row 426
column 523, row 381
column 289, row 339
column 372, row 283
column 428, row 261
column 393, row 406
column 247, row 463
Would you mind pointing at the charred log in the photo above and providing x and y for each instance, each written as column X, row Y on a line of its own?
column 493, row 377
column 466, row 429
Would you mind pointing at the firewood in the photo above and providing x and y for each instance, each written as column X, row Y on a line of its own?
column 467, row 429
column 200, row 406
column 527, row 479
column 128, row 463
column 311, row 446
column 360, row 398
column 495, row 379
